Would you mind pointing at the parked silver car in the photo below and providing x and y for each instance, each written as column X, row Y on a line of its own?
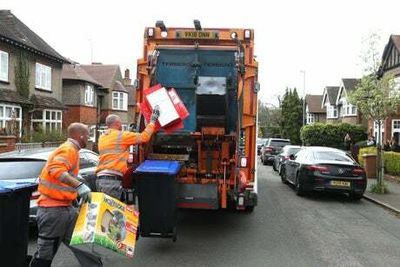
column 26, row 165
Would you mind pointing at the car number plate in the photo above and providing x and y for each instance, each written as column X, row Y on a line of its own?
column 340, row 183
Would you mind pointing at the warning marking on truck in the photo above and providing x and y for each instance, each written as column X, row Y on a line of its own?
column 197, row 35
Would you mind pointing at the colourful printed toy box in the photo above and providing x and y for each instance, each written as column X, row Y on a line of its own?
column 106, row 226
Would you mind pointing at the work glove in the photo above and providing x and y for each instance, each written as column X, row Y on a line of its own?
column 155, row 114
column 84, row 193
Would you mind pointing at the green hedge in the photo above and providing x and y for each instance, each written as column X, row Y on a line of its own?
column 331, row 135
column 391, row 159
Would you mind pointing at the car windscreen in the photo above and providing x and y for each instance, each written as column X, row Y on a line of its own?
column 332, row 156
column 20, row 169
column 293, row 150
column 279, row 143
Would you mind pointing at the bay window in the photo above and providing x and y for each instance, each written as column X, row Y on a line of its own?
column 47, row 120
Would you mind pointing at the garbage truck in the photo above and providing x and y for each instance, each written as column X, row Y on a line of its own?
column 214, row 72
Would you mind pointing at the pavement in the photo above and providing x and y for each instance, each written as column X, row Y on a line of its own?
column 390, row 200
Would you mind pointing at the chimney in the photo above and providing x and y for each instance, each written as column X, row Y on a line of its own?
column 127, row 80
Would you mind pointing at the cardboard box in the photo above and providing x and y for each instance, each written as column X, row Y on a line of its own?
column 168, row 112
column 106, row 226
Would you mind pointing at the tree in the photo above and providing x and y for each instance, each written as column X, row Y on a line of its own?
column 292, row 115
column 376, row 98
column 269, row 120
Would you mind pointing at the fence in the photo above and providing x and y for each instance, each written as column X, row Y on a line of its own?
column 24, row 146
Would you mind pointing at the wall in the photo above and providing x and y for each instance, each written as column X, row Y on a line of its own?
column 7, row 143
column 86, row 115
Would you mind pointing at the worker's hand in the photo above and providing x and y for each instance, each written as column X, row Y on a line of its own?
column 155, row 114
column 84, row 193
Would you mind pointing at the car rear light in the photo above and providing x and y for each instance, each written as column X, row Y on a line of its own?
column 358, row 172
column 316, row 168
column 35, row 195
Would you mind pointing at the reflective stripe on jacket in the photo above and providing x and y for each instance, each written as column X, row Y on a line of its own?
column 114, row 145
column 64, row 160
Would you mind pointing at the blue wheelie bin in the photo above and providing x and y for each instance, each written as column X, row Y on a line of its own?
column 157, row 195
column 14, row 222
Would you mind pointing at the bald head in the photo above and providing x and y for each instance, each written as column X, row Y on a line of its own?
column 79, row 132
column 114, row 121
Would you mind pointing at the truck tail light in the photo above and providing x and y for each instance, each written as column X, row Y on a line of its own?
column 150, row 32
column 243, row 162
column 247, row 34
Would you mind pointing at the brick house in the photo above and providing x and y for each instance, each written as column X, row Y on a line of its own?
column 346, row 111
column 390, row 64
column 329, row 103
column 30, row 79
column 314, row 111
column 80, row 95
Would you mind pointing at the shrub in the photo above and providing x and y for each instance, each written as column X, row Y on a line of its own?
column 331, row 135
column 392, row 163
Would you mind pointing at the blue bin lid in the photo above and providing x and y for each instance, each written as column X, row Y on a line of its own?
column 7, row 186
column 159, row 166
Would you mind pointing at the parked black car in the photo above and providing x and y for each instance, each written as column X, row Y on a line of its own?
column 26, row 165
column 282, row 157
column 271, row 148
column 324, row 169
column 260, row 143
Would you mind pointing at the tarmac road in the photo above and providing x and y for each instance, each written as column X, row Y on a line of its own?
column 283, row 230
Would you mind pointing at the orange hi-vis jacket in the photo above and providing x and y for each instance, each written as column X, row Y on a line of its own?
column 114, row 145
column 53, row 191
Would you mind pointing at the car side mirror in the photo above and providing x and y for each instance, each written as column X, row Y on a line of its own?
column 292, row 157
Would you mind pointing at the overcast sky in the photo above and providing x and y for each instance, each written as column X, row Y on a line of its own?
column 324, row 38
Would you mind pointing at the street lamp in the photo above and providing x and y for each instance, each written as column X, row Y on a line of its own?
column 304, row 96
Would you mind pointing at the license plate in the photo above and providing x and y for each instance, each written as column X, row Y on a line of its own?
column 340, row 183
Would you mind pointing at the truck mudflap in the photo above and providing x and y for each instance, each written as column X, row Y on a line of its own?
column 198, row 196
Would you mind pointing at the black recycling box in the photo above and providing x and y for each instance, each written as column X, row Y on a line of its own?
column 157, row 194
column 14, row 222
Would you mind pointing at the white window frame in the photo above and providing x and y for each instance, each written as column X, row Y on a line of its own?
column 376, row 131
column 43, row 77
column 89, row 95
column 4, row 118
column 122, row 100
column 4, row 64
column 396, row 128
column 348, row 109
column 330, row 111
column 56, row 120
column 310, row 118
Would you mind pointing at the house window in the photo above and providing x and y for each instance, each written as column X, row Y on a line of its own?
column 89, row 95
column 3, row 66
column 310, row 118
column 120, row 101
column 43, row 77
column 376, row 133
column 47, row 120
column 396, row 130
column 10, row 118
column 331, row 112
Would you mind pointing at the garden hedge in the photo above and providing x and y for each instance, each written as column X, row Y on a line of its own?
column 391, row 159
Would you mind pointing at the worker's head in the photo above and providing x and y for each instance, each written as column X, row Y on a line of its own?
column 114, row 122
column 79, row 132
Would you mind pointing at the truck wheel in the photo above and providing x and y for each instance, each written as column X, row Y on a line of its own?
column 174, row 235
column 249, row 209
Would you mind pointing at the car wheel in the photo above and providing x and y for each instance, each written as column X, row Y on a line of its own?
column 283, row 176
column 273, row 166
column 264, row 162
column 298, row 187
column 355, row 196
